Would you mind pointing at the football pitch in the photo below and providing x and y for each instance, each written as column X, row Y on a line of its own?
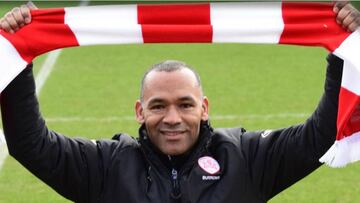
column 91, row 93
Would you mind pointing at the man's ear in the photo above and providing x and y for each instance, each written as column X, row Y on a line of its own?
column 205, row 108
column 139, row 112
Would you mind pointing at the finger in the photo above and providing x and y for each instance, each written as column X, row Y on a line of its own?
column 349, row 19
column 9, row 18
column 342, row 15
column 6, row 26
column 353, row 26
column 25, row 12
column 16, row 12
column 339, row 5
column 31, row 5
column 356, row 24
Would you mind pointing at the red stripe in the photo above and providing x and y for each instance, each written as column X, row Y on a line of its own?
column 177, row 33
column 311, row 24
column 188, row 14
column 46, row 32
column 348, row 120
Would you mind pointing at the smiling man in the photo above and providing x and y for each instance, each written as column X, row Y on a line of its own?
column 178, row 156
column 172, row 106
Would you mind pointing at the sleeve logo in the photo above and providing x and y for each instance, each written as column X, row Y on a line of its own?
column 265, row 133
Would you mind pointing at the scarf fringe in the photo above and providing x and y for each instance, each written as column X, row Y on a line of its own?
column 343, row 152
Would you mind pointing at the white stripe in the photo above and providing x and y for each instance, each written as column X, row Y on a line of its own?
column 343, row 152
column 351, row 77
column 349, row 51
column 114, row 24
column 214, row 117
column 11, row 63
column 247, row 22
column 50, row 62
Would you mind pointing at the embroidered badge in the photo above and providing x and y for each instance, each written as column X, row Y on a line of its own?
column 209, row 165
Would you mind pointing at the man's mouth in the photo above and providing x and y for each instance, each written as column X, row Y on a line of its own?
column 172, row 134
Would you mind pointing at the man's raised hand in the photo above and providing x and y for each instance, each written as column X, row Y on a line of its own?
column 17, row 18
column 347, row 15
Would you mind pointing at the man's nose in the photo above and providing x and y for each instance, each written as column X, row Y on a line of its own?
column 172, row 116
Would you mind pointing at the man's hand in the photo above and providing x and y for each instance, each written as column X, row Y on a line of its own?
column 347, row 15
column 17, row 18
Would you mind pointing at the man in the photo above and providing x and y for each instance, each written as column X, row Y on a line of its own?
column 178, row 157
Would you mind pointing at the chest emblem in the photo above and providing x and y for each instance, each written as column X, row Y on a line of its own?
column 209, row 165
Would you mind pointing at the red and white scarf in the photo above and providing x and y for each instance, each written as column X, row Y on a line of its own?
column 310, row 24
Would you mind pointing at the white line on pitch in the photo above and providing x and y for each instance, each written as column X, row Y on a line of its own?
column 214, row 117
column 3, row 149
column 46, row 70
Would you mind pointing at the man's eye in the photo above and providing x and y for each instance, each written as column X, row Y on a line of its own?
column 157, row 107
column 186, row 106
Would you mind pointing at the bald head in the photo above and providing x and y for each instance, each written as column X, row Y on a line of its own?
column 169, row 66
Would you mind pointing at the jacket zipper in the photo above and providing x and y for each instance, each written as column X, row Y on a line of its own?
column 175, row 184
column 175, row 194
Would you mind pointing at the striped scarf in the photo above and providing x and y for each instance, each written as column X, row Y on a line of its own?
column 310, row 24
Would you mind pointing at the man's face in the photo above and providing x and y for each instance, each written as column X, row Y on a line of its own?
column 172, row 110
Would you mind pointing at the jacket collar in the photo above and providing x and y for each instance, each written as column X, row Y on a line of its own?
column 182, row 162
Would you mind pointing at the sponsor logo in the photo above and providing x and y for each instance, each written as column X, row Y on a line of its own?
column 210, row 177
column 209, row 165
column 265, row 133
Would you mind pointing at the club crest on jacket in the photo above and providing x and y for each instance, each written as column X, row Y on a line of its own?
column 209, row 164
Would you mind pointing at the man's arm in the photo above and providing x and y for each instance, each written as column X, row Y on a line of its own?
column 70, row 166
column 285, row 156
column 281, row 158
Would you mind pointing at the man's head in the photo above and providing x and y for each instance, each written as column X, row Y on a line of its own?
column 172, row 106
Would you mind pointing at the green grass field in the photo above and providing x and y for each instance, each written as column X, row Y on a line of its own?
column 92, row 90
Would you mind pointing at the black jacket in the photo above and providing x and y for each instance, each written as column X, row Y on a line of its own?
column 254, row 166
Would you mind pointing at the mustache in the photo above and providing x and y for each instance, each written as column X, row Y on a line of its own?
column 175, row 128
